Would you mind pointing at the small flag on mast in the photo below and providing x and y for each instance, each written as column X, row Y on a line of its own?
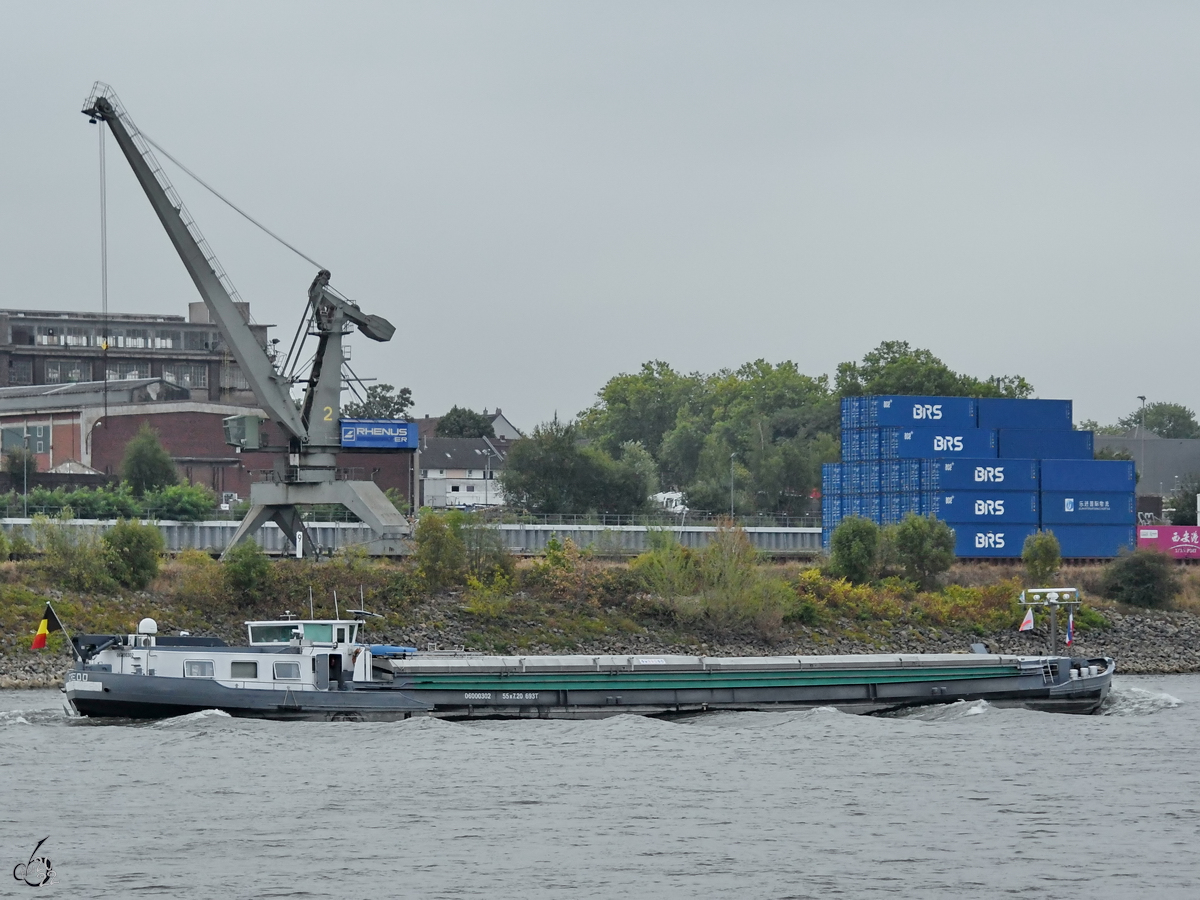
column 49, row 623
column 1070, row 627
column 1027, row 622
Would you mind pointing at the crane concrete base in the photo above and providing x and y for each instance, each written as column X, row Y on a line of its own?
column 277, row 502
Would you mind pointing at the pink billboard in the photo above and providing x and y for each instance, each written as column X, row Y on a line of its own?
column 1182, row 541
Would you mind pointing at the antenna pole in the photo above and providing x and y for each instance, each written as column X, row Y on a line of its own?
column 311, row 614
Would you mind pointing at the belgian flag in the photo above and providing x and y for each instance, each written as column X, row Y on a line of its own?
column 49, row 623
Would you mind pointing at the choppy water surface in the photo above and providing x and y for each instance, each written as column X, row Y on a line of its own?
column 958, row 801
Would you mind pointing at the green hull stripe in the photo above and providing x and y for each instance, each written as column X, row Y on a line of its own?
column 583, row 681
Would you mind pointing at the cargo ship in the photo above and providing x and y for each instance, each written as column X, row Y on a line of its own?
column 318, row 669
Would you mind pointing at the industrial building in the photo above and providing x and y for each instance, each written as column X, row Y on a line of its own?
column 166, row 371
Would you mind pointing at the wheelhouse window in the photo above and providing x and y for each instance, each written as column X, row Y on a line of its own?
column 241, row 670
column 287, row 671
column 271, row 634
column 198, row 668
column 318, row 633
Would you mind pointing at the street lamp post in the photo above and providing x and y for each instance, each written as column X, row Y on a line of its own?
column 732, row 457
column 25, row 457
column 1142, row 397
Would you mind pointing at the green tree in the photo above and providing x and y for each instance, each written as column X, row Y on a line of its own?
column 16, row 459
column 894, row 367
column 1042, row 557
column 440, row 555
column 924, row 548
column 381, row 402
column 1141, row 578
column 180, row 502
column 147, row 466
column 461, row 422
column 1167, row 420
column 641, row 407
column 553, row 471
column 853, row 548
column 1183, row 502
column 247, row 569
column 134, row 553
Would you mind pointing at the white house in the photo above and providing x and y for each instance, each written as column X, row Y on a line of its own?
column 461, row 472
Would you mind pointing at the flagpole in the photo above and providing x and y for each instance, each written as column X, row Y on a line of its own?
column 70, row 643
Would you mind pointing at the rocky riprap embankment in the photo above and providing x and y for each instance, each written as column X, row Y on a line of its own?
column 1143, row 643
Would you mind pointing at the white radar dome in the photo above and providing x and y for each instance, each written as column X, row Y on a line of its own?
column 147, row 626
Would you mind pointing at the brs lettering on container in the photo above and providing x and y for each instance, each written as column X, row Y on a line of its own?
column 927, row 443
column 989, row 540
column 378, row 434
column 979, row 475
column 1021, row 508
column 898, row 411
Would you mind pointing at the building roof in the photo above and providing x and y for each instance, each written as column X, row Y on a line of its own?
column 505, row 430
column 30, row 397
column 463, row 453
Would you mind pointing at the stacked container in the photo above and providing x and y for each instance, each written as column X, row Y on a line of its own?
column 995, row 470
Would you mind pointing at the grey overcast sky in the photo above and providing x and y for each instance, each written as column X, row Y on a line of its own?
column 542, row 195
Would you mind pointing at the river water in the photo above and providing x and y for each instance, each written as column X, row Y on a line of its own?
column 959, row 801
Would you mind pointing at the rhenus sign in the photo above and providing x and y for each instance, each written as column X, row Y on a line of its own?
column 378, row 434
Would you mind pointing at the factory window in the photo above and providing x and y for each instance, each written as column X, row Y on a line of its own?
column 63, row 371
column 454, row 488
column 470, row 488
column 185, row 375
column 243, row 670
column 168, row 340
column 49, row 335
column 287, row 671
column 22, row 334
column 136, row 338
column 127, row 371
column 198, row 668
column 78, row 337
column 232, row 378
column 20, row 370
column 199, row 340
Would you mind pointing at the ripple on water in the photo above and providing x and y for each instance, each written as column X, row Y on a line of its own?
column 1132, row 701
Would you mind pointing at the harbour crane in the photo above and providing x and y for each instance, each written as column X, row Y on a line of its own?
column 310, row 473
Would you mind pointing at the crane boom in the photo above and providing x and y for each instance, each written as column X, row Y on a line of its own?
column 311, row 475
column 270, row 387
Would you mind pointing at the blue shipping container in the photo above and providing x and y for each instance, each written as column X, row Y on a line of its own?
column 1093, row 541
column 1078, row 508
column 1033, row 443
column 987, row 506
column 860, row 444
column 929, row 443
column 996, row 541
column 1054, row 415
column 901, row 411
column 979, row 475
column 831, row 478
column 1088, row 475
column 900, row 475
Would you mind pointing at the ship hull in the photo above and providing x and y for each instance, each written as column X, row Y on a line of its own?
column 561, row 687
